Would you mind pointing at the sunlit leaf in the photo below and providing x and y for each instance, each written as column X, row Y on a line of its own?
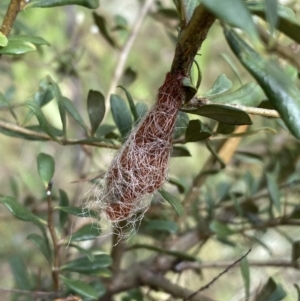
column 96, row 109
column 30, row 39
column 17, row 47
column 3, row 40
column 172, row 200
column 42, row 245
column 46, row 167
column 81, row 288
column 121, row 114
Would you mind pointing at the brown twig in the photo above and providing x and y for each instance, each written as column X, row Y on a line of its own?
column 15, row 6
column 34, row 134
column 216, row 278
column 55, row 267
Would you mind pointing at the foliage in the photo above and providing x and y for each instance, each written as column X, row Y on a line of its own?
column 240, row 193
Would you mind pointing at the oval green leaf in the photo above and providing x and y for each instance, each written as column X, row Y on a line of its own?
column 63, row 201
column 221, row 85
column 162, row 225
column 180, row 151
column 17, row 47
column 93, row 4
column 87, row 232
column 172, row 200
column 196, row 131
column 42, row 245
column 3, row 40
column 96, row 109
column 46, row 168
column 30, row 39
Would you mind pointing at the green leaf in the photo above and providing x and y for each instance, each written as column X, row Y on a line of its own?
column 105, row 129
column 189, row 7
column 249, row 94
column 131, row 104
column 279, row 88
column 74, row 113
column 60, row 102
column 96, row 109
column 182, row 122
column 235, row 13
column 221, row 85
column 196, row 131
column 85, row 252
column 79, row 212
column 246, row 276
column 298, row 291
column 271, row 7
column 129, row 76
column 222, row 113
column 225, row 129
column 87, row 232
column 20, row 273
column 81, row 288
column 141, row 109
column 93, row 4
column 287, row 20
column 189, row 89
column 121, row 114
column 3, row 40
column 84, row 266
column 162, row 225
column 181, row 188
column 172, row 200
column 17, row 47
column 41, row 118
column 102, row 26
column 271, row 291
column 273, row 191
column 42, row 245
column 63, row 202
column 180, row 151
column 221, row 229
column 46, row 168
column 295, row 251
column 20, row 211
column 7, row 104
column 30, row 39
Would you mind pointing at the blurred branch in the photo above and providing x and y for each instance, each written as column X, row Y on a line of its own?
column 15, row 6
column 33, row 293
column 198, row 102
column 119, row 69
column 156, row 281
column 223, row 264
column 37, row 135
column 190, row 297
column 285, row 52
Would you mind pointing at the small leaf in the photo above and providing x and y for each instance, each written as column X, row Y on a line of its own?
column 189, row 89
column 225, row 129
column 180, row 151
column 104, row 130
column 238, row 17
column 271, row 7
column 46, row 168
column 80, row 212
column 188, row 9
column 222, row 113
column 221, row 229
column 3, row 40
column 196, row 131
column 172, row 200
column 81, row 288
column 96, row 109
column 249, row 94
column 84, row 266
column 181, row 188
column 182, row 122
column 141, row 109
column 121, row 114
column 85, row 252
column 221, row 85
column 30, row 39
column 271, row 292
column 41, row 118
column 74, row 113
column 131, row 104
column 129, row 76
column 246, row 276
column 20, row 273
column 42, row 245
column 273, row 191
column 17, row 47
column 93, row 4
column 87, row 232
column 20, row 211
column 63, row 202
column 162, row 225
column 295, row 251
column 101, row 24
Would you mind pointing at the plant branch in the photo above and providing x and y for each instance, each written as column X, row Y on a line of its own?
column 15, row 6
column 216, row 278
column 198, row 102
column 21, row 130
column 119, row 69
column 156, row 281
column 55, row 267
